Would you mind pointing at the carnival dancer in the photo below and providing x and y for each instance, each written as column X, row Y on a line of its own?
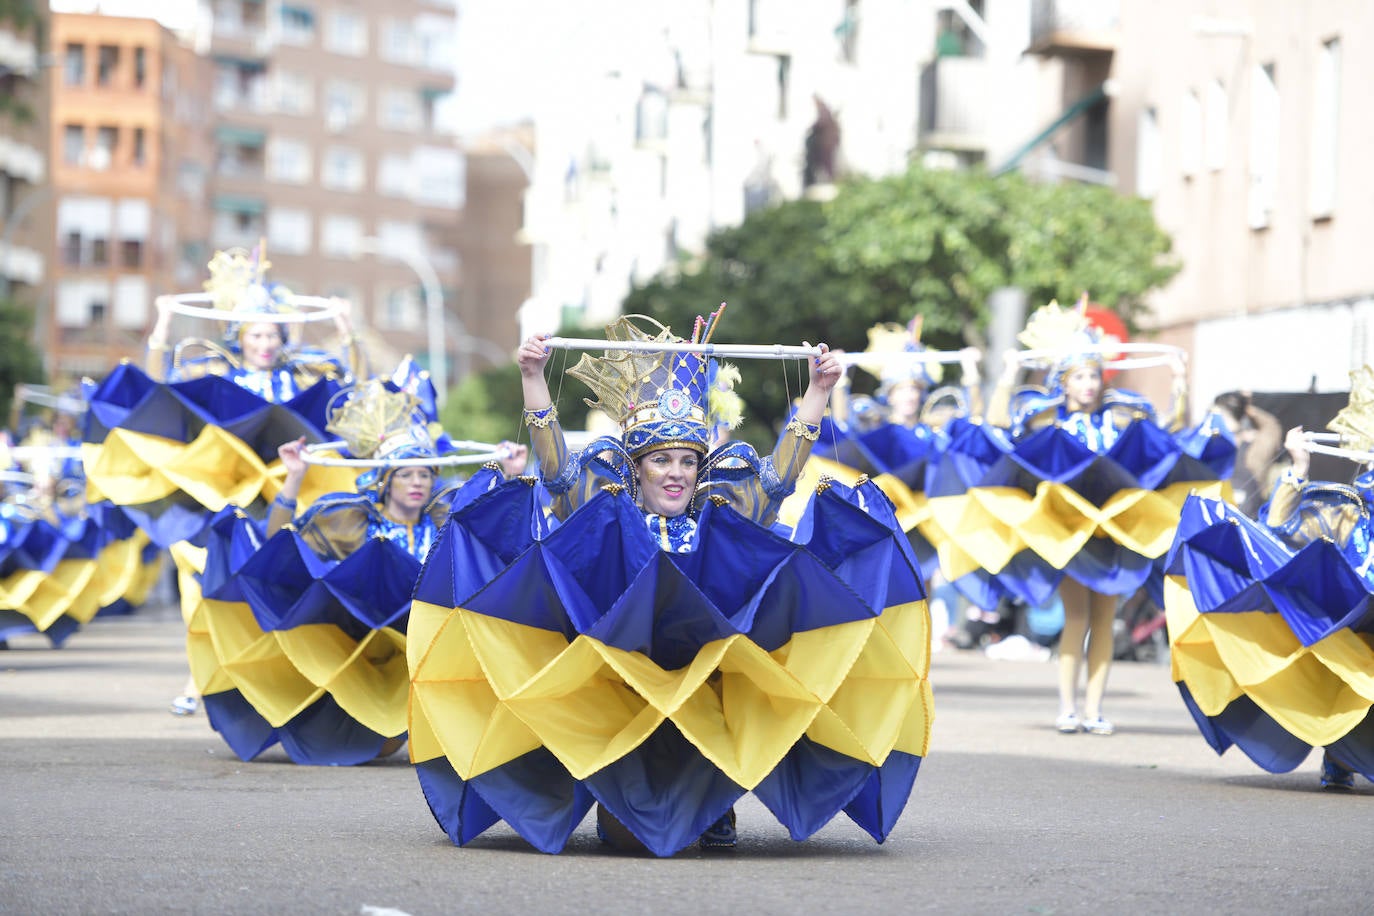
column 654, row 647
column 200, row 429
column 62, row 560
column 1074, row 487
column 297, row 626
column 1270, row 618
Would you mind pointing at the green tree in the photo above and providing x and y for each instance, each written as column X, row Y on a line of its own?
column 19, row 361
column 930, row 242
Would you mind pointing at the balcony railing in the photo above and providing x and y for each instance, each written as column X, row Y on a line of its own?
column 1074, row 26
column 954, row 103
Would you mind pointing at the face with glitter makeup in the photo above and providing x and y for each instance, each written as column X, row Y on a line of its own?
column 407, row 493
column 261, row 342
column 667, row 480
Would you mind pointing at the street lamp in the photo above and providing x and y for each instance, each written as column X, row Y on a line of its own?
column 434, row 304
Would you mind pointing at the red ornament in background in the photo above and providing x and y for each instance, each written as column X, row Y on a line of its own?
column 1112, row 326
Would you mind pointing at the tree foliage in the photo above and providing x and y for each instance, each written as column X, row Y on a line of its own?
column 19, row 361
column 936, row 243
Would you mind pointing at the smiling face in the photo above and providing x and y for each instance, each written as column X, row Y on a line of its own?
column 1083, row 387
column 407, row 493
column 261, row 342
column 667, row 480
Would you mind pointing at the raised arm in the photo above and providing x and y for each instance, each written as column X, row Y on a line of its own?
column 352, row 355
column 1178, row 399
column 156, row 361
column 999, row 408
column 1286, row 494
column 792, row 451
column 546, row 435
column 971, row 380
column 283, row 508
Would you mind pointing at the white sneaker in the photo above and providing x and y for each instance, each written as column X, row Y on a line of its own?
column 185, row 706
column 1098, row 726
column 1068, row 724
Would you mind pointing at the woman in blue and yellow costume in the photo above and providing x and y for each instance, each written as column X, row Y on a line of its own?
column 200, row 429
column 1271, row 620
column 297, row 626
column 657, row 646
column 62, row 560
column 1074, row 487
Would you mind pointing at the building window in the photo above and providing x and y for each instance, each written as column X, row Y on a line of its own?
column 1214, row 137
column 131, row 253
column 100, row 252
column 140, row 152
column 95, row 317
column 289, row 231
column 341, row 236
column 1148, row 166
column 140, row 67
column 295, row 93
column 71, row 249
column 106, row 141
column 106, row 64
column 398, row 45
column 1326, row 131
column 342, row 169
column 297, row 25
column 346, row 33
column 74, row 65
column 73, row 143
column 288, row 161
column 394, row 176
column 1264, row 145
column 345, row 104
column 1190, row 134
column 784, row 84
column 399, row 109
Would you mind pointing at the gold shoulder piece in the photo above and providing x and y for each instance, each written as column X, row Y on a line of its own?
column 615, row 489
column 863, row 479
column 718, row 499
column 824, row 483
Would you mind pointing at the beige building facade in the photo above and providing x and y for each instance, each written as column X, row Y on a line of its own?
column 24, row 201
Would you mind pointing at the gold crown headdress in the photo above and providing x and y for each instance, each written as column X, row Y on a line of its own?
column 238, row 283
column 661, row 400
column 1065, row 331
column 376, row 422
column 1355, row 421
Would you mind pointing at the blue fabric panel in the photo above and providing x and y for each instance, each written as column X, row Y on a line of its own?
column 457, row 807
column 884, row 795
column 810, row 786
column 1355, row 750
column 245, row 731
column 323, row 734
column 537, row 796
column 664, row 791
column 1108, row 568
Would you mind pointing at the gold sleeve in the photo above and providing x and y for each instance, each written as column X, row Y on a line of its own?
column 999, row 407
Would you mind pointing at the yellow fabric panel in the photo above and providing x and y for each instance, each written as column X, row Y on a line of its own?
column 118, row 566
column 912, row 508
column 217, row 468
column 125, row 466
column 590, row 704
column 815, row 468
column 255, row 662
column 90, row 455
column 44, row 597
column 368, row 678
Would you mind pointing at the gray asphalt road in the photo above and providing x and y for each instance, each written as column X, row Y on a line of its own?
column 111, row 805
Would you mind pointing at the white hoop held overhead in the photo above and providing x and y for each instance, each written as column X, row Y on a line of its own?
column 42, row 452
column 485, row 452
column 311, row 308
column 17, row 477
column 1150, row 355
column 43, row 396
column 1330, row 444
column 739, row 351
column 902, row 357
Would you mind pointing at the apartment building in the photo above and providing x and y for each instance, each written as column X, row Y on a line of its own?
column 24, row 211
column 129, row 137
column 329, row 144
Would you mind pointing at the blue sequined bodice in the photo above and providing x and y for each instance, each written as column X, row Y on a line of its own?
column 415, row 539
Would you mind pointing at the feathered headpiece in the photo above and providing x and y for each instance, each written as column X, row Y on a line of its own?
column 661, row 400
column 889, row 338
column 1067, row 332
column 1355, row 422
column 238, row 283
column 379, row 423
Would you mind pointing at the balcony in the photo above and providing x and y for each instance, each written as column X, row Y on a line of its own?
column 954, row 104
column 1069, row 28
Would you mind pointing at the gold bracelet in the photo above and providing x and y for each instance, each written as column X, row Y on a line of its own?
column 543, row 417
column 803, row 430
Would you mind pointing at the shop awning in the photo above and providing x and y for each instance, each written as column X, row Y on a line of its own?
column 240, row 136
column 238, row 203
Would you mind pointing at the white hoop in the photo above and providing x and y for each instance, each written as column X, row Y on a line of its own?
column 903, row 357
column 41, row 452
column 19, row 477
column 485, row 452
column 42, row 395
column 1329, row 444
column 1152, row 354
column 311, row 308
column 741, row 351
